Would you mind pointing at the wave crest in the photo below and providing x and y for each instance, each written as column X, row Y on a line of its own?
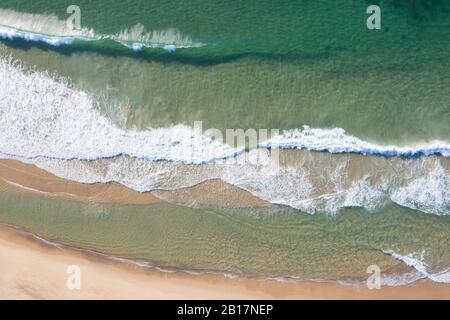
column 49, row 29
column 138, row 37
column 44, row 24
column 416, row 260
column 48, row 122
column 336, row 140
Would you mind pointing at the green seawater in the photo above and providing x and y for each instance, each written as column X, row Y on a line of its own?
column 258, row 242
column 272, row 64
column 267, row 64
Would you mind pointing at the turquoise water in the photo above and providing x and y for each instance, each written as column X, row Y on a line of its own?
column 238, row 64
column 271, row 64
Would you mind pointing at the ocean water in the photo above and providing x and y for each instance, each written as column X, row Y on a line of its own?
column 362, row 118
column 275, row 242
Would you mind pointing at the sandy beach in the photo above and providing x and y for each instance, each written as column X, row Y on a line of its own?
column 32, row 269
column 224, row 150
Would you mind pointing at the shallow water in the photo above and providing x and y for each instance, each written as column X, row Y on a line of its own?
column 260, row 242
column 295, row 63
column 84, row 111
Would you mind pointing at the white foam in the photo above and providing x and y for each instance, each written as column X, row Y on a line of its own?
column 11, row 34
column 394, row 280
column 361, row 193
column 417, row 261
column 287, row 186
column 49, row 29
column 42, row 117
column 47, row 122
column 428, row 190
column 40, row 24
column 336, row 140
column 137, row 37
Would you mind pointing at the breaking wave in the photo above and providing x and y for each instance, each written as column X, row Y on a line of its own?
column 416, row 260
column 48, row 122
column 49, row 29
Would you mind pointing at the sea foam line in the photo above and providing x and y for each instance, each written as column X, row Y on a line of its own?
column 49, row 29
column 42, row 117
column 417, row 261
column 7, row 33
column 332, row 140
column 336, row 140
column 403, row 152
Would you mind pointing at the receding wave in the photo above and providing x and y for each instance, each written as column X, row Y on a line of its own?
column 48, row 122
column 416, row 260
column 49, row 29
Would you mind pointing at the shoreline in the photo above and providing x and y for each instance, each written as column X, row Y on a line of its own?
column 38, row 270
column 28, row 179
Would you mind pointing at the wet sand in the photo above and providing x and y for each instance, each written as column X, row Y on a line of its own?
column 32, row 269
column 28, row 179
